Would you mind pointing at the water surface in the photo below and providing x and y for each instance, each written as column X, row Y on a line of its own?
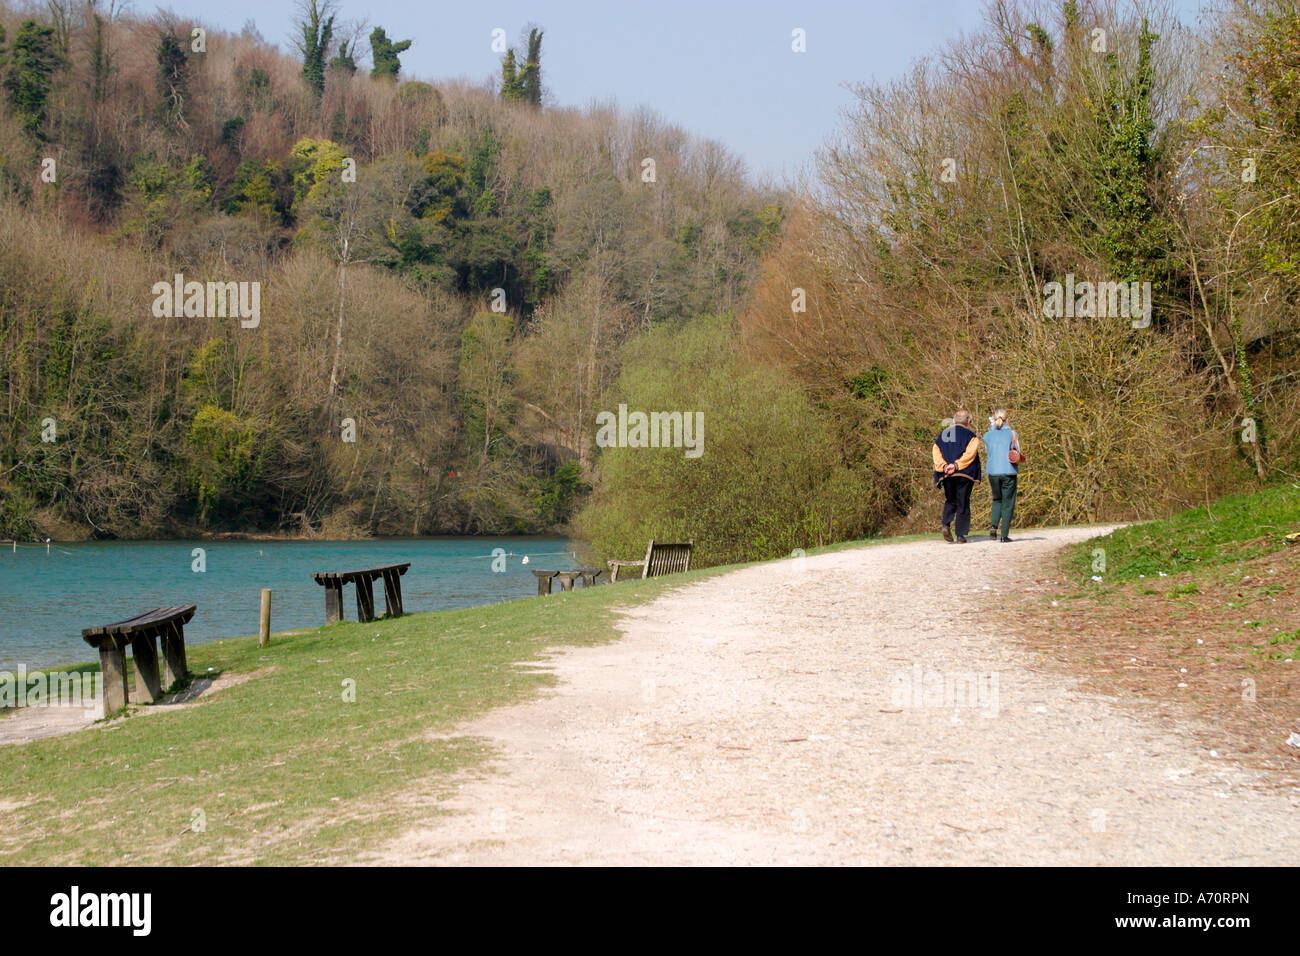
column 46, row 599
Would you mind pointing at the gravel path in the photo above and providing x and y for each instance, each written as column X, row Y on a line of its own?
column 771, row 716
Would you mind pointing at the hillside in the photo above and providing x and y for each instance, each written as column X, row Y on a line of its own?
column 1082, row 212
column 446, row 275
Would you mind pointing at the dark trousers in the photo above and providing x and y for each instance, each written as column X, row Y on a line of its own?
column 956, row 504
column 1003, row 490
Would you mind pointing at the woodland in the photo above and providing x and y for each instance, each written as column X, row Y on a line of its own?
column 457, row 279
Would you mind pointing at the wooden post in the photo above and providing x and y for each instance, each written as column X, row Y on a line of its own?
column 144, row 654
column 393, row 592
column 365, row 599
column 173, row 654
column 333, row 602
column 264, row 629
column 112, row 662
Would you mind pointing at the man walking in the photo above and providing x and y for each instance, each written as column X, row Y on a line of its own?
column 956, row 454
column 1000, row 440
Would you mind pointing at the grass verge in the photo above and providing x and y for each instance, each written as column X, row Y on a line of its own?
column 1195, row 616
column 276, row 765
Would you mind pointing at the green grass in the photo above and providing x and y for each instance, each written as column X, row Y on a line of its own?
column 1282, row 647
column 283, row 769
column 1230, row 530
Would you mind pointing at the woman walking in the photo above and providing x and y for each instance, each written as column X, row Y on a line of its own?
column 1003, row 468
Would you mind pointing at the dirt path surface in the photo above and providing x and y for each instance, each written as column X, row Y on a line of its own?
column 33, row 723
column 770, row 716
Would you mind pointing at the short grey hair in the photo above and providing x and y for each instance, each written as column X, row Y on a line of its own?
column 961, row 417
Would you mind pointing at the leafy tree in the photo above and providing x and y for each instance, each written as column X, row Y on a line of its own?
column 1132, row 232
column 512, row 87
column 384, row 53
column 253, row 191
column 315, row 33
column 522, row 83
column 530, row 77
column 555, row 496
column 311, row 163
column 344, row 62
column 172, row 78
column 162, row 198
column 444, row 197
column 30, row 77
column 257, row 87
column 766, row 479
column 222, row 453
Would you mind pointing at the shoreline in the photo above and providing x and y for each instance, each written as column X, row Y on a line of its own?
column 46, row 600
column 269, row 536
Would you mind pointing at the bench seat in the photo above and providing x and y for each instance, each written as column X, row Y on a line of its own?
column 363, row 578
column 140, row 633
column 590, row 578
column 660, row 558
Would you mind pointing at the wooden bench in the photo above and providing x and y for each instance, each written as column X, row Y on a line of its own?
column 364, row 579
column 659, row 559
column 590, row 578
column 141, row 632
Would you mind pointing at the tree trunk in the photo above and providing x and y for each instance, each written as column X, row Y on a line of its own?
column 338, row 332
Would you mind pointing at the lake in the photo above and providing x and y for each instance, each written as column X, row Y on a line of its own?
column 46, row 599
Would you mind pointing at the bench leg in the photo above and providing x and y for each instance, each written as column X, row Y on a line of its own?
column 173, row 652
column 144, row 652
column 543, row 584
column 333, row 603
column 566, row 582
column 393, row 593
column 365, row 600
column 112, row 662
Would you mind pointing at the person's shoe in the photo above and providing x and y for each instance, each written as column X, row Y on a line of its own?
column 947, row 534
column 961, row 539
column 993, row 535
column 1005, row 540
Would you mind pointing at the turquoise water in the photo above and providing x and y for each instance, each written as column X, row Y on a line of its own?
column 46, row 599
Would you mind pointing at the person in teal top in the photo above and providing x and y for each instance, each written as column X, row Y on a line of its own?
column 999, row 440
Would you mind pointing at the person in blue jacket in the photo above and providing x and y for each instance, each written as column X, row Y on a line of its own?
column 999, row 440
column 956, row 454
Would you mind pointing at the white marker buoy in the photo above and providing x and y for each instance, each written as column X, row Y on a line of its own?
column 525, row 559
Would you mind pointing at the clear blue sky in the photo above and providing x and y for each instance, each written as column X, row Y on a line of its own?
column 722, row 69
